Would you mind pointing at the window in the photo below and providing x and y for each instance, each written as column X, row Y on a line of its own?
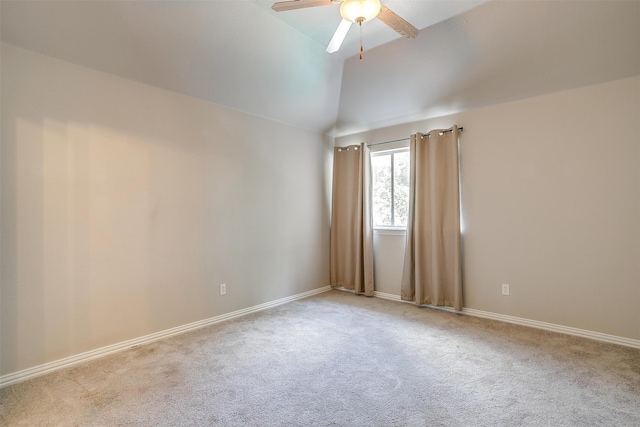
column 390, row 170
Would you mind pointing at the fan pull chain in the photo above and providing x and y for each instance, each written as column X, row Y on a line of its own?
column 361, row 48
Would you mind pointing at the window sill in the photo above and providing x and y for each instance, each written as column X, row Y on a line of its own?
column 390, row 231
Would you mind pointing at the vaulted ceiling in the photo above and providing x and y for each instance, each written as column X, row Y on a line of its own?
column 241, row 54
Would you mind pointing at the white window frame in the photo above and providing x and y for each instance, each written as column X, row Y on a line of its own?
column 390, row 229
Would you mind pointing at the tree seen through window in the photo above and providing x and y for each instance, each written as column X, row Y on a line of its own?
column 390, row 171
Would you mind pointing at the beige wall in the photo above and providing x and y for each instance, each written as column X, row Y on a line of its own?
column 388, row 260
column 551, row 206
column 125, row 206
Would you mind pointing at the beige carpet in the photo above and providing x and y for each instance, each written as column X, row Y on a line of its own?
column 337, row 359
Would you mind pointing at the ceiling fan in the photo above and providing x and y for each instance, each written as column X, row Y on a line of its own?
column 353, row 11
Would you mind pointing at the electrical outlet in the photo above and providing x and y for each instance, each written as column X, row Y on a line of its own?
column 223, row 289
column 505, row 289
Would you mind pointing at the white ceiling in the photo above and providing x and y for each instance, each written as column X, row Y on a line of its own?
column 241, row 54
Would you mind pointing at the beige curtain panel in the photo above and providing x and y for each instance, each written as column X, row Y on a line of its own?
column 432, row 272
column 351, row 220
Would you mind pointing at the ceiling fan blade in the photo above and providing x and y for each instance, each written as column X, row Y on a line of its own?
column 281, row 6
column 401, row 26
column 338, row 36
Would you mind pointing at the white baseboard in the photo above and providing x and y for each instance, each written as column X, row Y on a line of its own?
column 36, row 371
column 613, row 339
column 16, row 377
column 391, row 297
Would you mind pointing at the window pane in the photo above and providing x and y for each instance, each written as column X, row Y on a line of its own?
column 381, row 171
column 401, row 188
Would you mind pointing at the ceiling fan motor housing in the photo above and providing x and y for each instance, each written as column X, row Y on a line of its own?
column 359, row 10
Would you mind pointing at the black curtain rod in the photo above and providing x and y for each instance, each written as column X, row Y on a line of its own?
column 405, row 139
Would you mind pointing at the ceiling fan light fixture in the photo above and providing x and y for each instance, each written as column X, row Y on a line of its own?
column 359, row 10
